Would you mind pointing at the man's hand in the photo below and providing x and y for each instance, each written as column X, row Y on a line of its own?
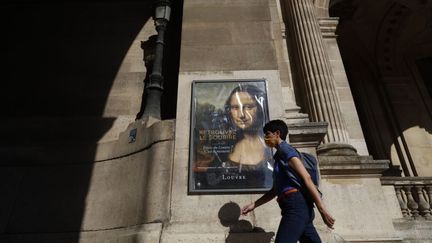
column 327, row 218
column 246, row 209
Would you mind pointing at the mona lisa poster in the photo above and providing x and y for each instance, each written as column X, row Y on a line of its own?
column 227, row 149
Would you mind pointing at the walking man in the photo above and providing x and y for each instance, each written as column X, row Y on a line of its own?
column 296, row 209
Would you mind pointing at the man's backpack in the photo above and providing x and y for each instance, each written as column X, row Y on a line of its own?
column 311, row 165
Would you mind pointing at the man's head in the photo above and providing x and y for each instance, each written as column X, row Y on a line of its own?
column 274, row 132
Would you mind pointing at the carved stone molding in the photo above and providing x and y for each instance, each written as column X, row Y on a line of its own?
column 358, row 166
column 335, row 149
column 328, row 26
column 307, row 134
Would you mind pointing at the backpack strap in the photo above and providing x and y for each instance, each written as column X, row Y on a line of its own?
column 302, row 159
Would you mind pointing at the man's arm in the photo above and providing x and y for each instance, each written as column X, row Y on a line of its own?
column 269, row 195
column 299, row 168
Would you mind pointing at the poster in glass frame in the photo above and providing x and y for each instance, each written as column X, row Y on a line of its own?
column 227, row 149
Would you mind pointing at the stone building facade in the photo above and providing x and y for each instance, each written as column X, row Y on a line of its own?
column 351, row 79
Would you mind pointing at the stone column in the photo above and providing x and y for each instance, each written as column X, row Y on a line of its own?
column 313, row 68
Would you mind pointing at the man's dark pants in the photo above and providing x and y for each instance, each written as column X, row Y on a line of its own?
column 296, row 223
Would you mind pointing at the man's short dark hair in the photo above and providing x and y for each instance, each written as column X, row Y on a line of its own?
column 277, row 125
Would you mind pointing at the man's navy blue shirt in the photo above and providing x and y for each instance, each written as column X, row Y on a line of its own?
column 281, row 180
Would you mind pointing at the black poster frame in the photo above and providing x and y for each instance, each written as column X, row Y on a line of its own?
column 227, row 151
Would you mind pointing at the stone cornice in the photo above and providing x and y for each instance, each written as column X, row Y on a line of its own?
column 328, row 26
column 351, row 165
column 307, row 134
column 396, row 181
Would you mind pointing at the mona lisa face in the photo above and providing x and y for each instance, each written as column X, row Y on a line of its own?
column 243, row 109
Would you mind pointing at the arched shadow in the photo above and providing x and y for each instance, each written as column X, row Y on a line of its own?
column 60, row 60
column 392, row 101
column 241, row 231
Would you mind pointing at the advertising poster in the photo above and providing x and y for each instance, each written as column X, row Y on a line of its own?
column 227, row 149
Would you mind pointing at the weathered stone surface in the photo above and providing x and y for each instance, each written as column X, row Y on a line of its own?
column 392, row 202
column 223, row 33
column 362, row 198
column 336, row 149
column 146, row 233
column 205, row 57
column 227, row 11
column 414, row 231
column 214, row 36
column 119, row 188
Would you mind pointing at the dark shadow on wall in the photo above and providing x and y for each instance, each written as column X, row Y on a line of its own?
column 241, row 231
column 387, row 98
column 171, row 61
column 425, row 68
column 59, row 63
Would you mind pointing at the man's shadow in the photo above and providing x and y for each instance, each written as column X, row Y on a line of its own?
column 241, row 231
